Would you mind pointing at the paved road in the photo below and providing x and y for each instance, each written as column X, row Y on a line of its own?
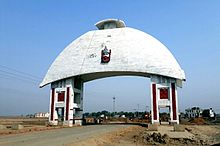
column 58, row 137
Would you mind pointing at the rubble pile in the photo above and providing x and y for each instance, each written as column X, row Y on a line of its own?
column 163, row 139
column 155, row 137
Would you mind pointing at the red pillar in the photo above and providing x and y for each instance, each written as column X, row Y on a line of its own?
column 174, row 100
column 67, row 103
column 52, row 104
column 154, row 101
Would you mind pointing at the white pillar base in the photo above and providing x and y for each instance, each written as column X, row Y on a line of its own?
column 174, row 121
column 68, row 123
column 78, row 122
column 53, row 123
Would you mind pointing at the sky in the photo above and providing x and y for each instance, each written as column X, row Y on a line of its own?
column 33, row 33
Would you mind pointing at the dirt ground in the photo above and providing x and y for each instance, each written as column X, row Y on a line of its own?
column 139, row 136
column 209, row 133
column 134, row 135
column 30, row 125
column 120, row 137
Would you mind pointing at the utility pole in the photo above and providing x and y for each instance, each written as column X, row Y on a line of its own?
column 146, row 108
column 114, row 104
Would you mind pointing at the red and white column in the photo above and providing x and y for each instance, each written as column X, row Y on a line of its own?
column 154, row 104
column 53, row 117
column 68, row 117
column 163, row 95
column 174, row 104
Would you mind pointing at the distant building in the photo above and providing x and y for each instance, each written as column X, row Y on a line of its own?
column 193, row 112
column 122, row 116
column 41, row 115
column 209, row 113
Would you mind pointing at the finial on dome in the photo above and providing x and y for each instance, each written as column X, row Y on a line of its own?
column 110, row 24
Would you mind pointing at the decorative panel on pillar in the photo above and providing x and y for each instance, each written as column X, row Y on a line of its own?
column 164, row 94
column 61, row 96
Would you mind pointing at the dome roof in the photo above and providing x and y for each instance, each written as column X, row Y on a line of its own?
column 133, row 52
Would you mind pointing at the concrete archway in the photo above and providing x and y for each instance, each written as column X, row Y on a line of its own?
column 112, row 50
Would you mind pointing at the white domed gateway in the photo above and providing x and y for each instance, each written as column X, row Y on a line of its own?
column 112, row 50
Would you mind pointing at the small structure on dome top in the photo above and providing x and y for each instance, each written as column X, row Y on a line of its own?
column 110, row 24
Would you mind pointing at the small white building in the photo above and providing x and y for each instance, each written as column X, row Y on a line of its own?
column 41, row 115
column 194, row 112
column 209, row 113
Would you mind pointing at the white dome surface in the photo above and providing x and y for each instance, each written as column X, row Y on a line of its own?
column 133, row 52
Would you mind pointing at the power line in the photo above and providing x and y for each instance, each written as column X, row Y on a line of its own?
column 22, row 76
column 21, row 72
column 24, row 92
column 7, row 72
column 19, row 78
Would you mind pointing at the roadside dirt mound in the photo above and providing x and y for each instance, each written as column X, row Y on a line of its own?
column 197, row 121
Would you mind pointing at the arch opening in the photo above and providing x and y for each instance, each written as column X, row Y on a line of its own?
column 129, row 91
column 71, row 90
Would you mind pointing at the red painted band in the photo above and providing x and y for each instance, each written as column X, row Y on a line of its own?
column 154, row 101
column 67, row 102
column 52, row 104
column 174, row 100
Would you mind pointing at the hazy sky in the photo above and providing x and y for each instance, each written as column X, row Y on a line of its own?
column 34, row 32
